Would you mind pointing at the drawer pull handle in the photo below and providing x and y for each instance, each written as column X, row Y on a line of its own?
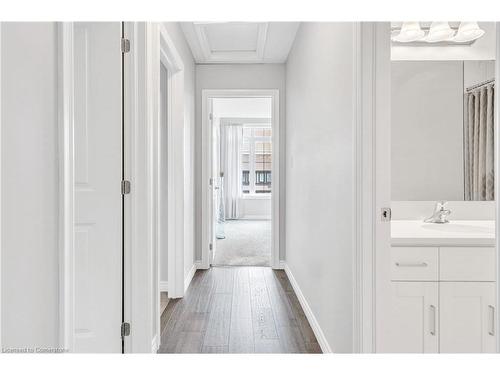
column 423, row 264
column 433, row 320
column 492, row 320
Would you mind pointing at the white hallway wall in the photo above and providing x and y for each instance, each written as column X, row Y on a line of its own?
column 319, row 175
column 30, row 288
column 177, row 36
column 238, row 76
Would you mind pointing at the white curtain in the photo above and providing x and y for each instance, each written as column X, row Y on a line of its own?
column 479, row 144
column 230, row 167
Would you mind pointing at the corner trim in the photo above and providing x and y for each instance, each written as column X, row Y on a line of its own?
column 320, row 336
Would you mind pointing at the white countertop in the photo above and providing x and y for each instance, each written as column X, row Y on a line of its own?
column 454, row 233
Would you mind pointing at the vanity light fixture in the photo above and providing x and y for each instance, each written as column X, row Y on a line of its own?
column 439, row 32
column 467, row 32
column 410, row 32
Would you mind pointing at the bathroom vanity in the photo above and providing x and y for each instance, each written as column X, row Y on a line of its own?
column 436, row 283
column 443, row 289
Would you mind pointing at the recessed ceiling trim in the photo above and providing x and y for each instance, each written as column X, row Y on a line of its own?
column 222, row 56
column 263, row 42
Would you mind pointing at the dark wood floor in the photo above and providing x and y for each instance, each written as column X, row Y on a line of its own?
column 237, row 310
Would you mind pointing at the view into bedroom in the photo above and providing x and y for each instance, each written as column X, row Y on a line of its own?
column 242, row 170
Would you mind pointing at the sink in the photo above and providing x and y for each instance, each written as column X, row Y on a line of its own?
column 454, row 233
column 457, row 228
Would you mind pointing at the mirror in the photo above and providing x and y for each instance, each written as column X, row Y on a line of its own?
column 442, row 130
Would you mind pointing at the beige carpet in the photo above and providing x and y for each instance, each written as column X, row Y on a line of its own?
column 247, row 243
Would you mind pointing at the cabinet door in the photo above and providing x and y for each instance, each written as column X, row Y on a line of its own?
column 467, row 317
column 412, row 324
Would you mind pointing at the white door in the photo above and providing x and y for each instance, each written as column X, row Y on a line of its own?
column 98, row 200
column 412, row 322
column 467, row 317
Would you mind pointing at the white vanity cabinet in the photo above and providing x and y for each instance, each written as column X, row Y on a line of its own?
column 467, row 316
column 413, row 323
column 442, row 300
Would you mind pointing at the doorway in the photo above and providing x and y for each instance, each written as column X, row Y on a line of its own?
column 242, row 179
column 241, row 204
column 400, row 280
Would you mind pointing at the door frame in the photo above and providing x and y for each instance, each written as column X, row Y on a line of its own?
column 171, row 59
column 206, row 152
column 66, row 184
column 371, row 158
column 150, row 44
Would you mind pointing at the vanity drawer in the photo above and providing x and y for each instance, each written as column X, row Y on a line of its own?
column 414, row 263
column 467, row 263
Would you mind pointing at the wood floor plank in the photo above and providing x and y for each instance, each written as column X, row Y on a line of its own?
column 241, row 330
column 283, row 312
column 184, row 342
column 258, row 289
column 166, row 315
column 262, row 314
column 263, row 324
column 241, row 305
column 291, row 339
column 202, row 305
column 219, row 323
column 224, row 279
column 283, row 281
column 313, row 348
column 268, row 346
column 195, row 321
column 215, row 349
column 301, row 318
column 241, row 336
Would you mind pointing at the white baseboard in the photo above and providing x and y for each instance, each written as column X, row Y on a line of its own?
column 323, row 343
column 155, row 345
column 189, row 276
column 163, row 286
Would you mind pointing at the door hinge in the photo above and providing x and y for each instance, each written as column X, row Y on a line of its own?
column 125, row 329
column 125, row 45
column 385, row 214
column 210, row 246
column 211, row 181
column 211, row 116
column 125, row 187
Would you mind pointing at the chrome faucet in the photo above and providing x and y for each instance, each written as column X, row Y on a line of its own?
column 440, row 215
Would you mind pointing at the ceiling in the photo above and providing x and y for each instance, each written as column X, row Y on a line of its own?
column 240, row 42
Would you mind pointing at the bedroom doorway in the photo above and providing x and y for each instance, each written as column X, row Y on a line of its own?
column 241, row 204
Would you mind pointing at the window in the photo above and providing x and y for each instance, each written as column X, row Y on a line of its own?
column 256, row 159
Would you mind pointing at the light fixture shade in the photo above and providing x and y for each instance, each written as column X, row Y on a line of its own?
column 439, row 32
column 410, row 32
column 467, row 32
